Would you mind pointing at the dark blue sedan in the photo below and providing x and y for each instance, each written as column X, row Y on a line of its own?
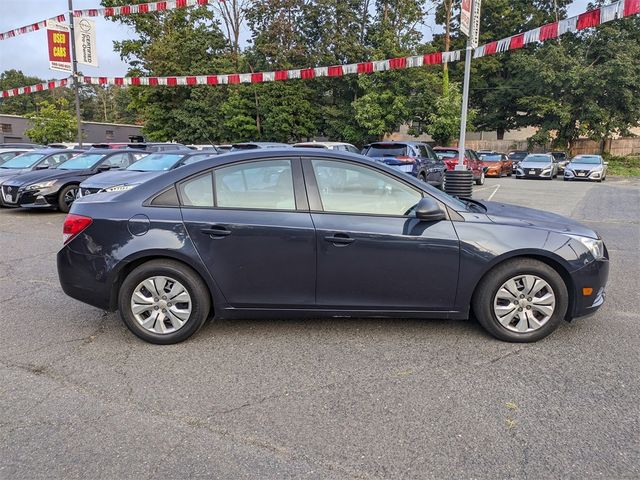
column 322, row 233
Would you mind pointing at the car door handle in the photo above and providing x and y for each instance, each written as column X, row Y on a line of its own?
column 216, row 231
column 339, row 239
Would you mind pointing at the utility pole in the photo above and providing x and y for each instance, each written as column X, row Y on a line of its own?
column 74, row 63
column 459, row 181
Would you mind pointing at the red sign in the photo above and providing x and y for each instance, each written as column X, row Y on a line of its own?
column 59, row 46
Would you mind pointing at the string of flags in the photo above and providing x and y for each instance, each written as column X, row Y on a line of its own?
column 110, row 12
column 591, row 18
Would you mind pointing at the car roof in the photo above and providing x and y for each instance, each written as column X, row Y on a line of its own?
column 328, row 144
column 51, row 151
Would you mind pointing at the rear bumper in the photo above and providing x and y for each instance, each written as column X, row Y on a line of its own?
column 593, row 276
column 85, row 278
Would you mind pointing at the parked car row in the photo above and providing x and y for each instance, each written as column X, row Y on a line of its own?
column 547, row 166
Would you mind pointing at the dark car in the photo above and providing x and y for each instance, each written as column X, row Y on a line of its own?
column 561, row 158
column 32, row 160
column 146, row 146
column 58, row 187
column 586, row 167
column 496, row 164
column 516, row 156
column 449, row 156
column 150, row 166
column 538, row 165
column 415, row 158
column 322, row 233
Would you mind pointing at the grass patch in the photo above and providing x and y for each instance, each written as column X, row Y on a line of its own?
column 628, row 166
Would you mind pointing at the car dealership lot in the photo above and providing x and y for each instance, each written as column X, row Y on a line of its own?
column 330, row 398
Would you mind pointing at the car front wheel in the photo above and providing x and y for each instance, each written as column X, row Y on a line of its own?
column 66, row 197
column 163, row 301
column 480, row 179
column 521, row 300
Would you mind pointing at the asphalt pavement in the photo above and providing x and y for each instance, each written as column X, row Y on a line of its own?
column 81, row 397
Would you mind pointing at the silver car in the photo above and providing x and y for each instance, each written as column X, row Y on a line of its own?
column 538, row 165
column 586, row 167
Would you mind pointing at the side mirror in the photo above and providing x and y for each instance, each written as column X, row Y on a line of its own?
column 428, row 210
column 104, row 167
column 42, row 166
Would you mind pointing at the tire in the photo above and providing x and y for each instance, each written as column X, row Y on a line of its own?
column 191, row 283
column 63, row 204
column 480, row 180
column 485, row 297
column 422, row 177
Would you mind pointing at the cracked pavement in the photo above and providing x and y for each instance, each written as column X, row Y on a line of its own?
column 330, row 398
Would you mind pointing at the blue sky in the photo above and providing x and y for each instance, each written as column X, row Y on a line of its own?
column 29, row 52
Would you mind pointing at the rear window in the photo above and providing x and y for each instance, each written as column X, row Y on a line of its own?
column 389, row 150
column 446, row 154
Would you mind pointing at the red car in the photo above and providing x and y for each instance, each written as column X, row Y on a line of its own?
column 449, row 155
column 496, row 164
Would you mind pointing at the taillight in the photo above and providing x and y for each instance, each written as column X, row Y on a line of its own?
column 73, row 225
column 406, row 159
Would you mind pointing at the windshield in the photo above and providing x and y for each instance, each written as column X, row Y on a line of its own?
column 156, row 162
column 590, row 159
column 391, row 150
column 537, row 158
column 8, row 156
column 490, row 157
column 517, row 155
column 26, row 160
column 82, row 162
column 441, row 154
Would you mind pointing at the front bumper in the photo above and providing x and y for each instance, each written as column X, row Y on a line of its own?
column 592, row 276
column 13, row 196
column 532, row 173
column 583, row 175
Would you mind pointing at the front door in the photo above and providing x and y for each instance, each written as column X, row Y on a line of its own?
column 372, row 251
column 253, row 232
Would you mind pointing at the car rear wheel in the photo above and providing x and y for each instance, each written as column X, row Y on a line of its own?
column 66, row 197
column 163, row 302
column 521, row 300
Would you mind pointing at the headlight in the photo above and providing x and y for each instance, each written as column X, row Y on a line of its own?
column 38, row 186
column 594, row 245
column 119, row 188
column 568, row 171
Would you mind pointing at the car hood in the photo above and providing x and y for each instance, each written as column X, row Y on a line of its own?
column 508, row 214
column 11, row 172
column 583, row 166
column 526, row 165
column 43, row 176
column 119, row 177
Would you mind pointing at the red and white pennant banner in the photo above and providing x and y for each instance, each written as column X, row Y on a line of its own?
column 591, row 18
column 279, row 75
column 140, row 8
column 111, row 11
column 13, row 92
column 622, row 8
column 29, row 28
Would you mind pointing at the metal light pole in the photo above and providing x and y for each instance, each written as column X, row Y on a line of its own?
column 459, row 181
column 74, row 63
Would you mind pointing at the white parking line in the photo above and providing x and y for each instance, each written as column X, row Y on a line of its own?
column 493, row 193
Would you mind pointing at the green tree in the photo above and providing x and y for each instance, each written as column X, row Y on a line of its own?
column 52, row 122
column 22, row 103
column 443, row 123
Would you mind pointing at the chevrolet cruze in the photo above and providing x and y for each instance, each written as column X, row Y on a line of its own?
column 322, row 233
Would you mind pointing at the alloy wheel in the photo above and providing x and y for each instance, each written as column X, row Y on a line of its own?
column 161, row 304
column 524, row 303
column 70, row 196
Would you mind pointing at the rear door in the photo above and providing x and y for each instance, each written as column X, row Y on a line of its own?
column 372, row 251
column 251, row 226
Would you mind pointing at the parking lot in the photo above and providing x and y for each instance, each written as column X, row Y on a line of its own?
column 81, row 397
